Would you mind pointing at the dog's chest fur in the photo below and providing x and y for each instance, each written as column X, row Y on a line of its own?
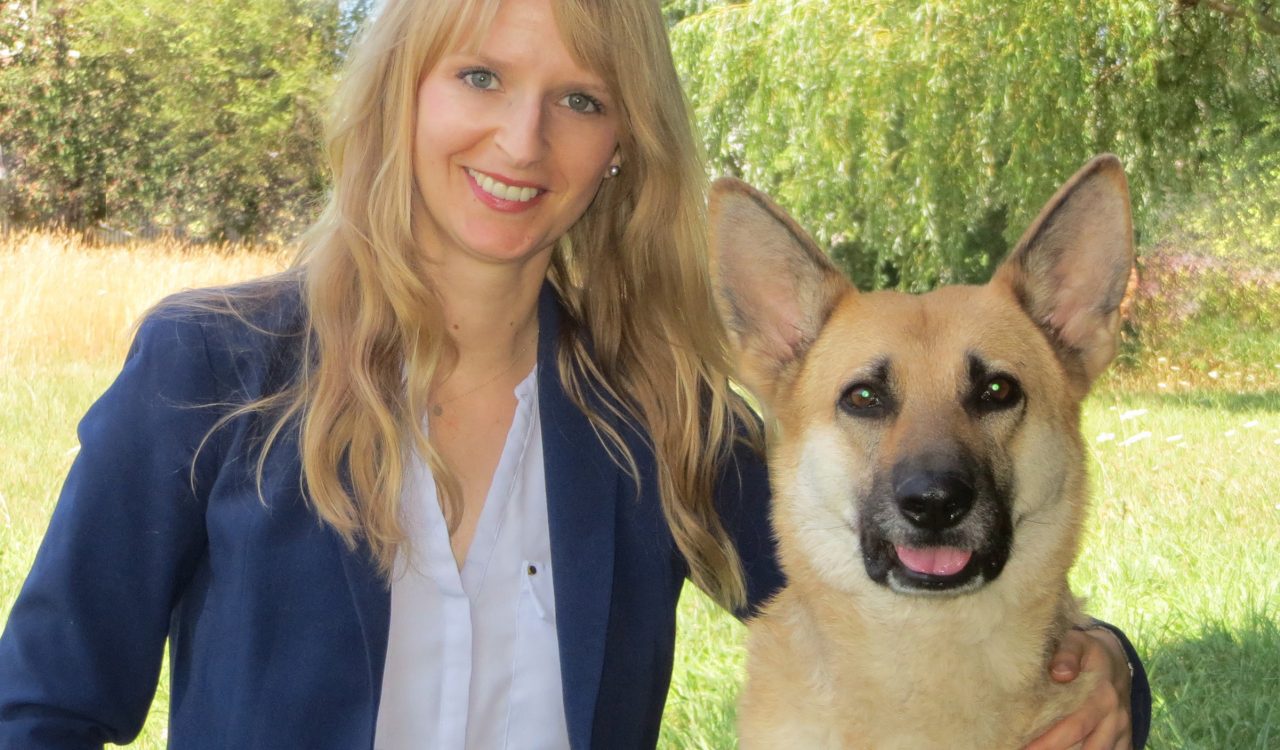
column 825, row 676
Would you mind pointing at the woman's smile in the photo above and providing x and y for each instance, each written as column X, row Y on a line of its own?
column 503, row 194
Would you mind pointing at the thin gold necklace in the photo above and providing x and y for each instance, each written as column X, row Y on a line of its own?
column 437, row 408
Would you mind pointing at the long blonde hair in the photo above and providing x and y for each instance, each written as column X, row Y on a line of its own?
column 643, row 332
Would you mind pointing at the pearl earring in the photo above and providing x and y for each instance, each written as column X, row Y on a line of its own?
column 614, row 170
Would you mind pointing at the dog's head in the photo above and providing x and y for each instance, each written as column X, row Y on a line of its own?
column 927, row 444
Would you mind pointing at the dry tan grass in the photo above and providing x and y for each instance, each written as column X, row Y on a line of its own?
column 65, row 300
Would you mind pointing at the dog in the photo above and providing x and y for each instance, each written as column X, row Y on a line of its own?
column 928, row 474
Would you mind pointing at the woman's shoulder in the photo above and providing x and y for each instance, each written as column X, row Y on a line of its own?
column 269, row 306
column 242, row 329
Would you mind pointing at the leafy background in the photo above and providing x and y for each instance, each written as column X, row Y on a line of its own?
column 917, row 139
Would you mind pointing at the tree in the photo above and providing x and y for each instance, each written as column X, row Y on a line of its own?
column 916, row 139
column 200, row 118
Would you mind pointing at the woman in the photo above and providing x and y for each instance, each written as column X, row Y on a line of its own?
column 483, row 370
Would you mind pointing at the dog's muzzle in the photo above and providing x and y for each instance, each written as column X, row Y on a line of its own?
column 940, row 527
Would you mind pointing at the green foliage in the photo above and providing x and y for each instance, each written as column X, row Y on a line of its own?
column 198, row 118
column 677, row 10
column 916, row 140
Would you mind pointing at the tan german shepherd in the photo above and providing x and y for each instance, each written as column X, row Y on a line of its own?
column 928, row 475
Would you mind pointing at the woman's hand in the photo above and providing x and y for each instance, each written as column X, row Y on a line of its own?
column 1103, row 721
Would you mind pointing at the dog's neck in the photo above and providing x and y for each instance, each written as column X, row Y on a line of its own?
column 993, row 639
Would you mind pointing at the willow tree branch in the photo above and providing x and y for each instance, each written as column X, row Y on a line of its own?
column 1265, row 22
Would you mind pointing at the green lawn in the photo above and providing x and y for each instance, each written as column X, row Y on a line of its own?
column 1184, row 553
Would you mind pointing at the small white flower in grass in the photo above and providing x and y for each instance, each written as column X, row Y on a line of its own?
column 1132, row 414
column 1184, row 382
column 1162, row 385
column 1162, row 360
column 1173, row 439
column 1106, row 437
column 1214, row 374
column 1175, row 368
column 1230, row 433
column 1136, row 438
column 1251, row 424
column 73, row 54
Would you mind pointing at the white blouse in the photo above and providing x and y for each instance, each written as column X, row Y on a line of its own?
column 472, row 658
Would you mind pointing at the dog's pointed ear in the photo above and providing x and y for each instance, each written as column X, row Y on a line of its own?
column 1071, row 267
column 774, row 286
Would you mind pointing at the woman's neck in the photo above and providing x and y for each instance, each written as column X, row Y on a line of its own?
column 491, row 315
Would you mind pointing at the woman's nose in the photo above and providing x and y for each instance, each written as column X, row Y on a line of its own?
column 521, row 133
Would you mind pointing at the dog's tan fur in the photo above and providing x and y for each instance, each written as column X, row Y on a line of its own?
column 838, row 660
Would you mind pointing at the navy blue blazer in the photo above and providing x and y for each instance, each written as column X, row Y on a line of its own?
column 277, row 632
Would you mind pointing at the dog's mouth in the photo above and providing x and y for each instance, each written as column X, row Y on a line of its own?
column 933, row 568
column 938, row 562
column 946, row 567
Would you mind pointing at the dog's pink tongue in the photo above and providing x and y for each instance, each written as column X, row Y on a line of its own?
column 934, row 561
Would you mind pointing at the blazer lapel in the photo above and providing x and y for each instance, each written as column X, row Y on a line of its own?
column 370, row 594
column 372, row 598
column 582, row 488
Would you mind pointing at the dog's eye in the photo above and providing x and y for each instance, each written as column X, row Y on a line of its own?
column 861, row 398
column 1000, row 392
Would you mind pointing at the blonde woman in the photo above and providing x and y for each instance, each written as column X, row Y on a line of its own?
column 439, row 485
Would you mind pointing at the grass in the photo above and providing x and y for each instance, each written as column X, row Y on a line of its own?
column 1183, row 552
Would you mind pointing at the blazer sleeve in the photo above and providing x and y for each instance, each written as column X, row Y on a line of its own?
column 1139, row 690
column 743, row 498
column 81, row 652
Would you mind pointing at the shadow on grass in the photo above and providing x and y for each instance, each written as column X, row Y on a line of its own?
column 1221, row 400
column 1224, row 400
column 1219, row 689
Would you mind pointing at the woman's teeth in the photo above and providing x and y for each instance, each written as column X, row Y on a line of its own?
column 502, row 190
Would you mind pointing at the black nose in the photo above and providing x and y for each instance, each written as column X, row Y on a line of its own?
column 934, row 500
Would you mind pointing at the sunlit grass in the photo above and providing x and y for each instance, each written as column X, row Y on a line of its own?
column 1183, row 551
column 67, row 302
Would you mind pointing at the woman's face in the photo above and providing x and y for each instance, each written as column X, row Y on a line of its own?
column 512, row 141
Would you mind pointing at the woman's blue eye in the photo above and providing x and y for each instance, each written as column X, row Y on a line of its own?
column 582, row 103
column 480, row 79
